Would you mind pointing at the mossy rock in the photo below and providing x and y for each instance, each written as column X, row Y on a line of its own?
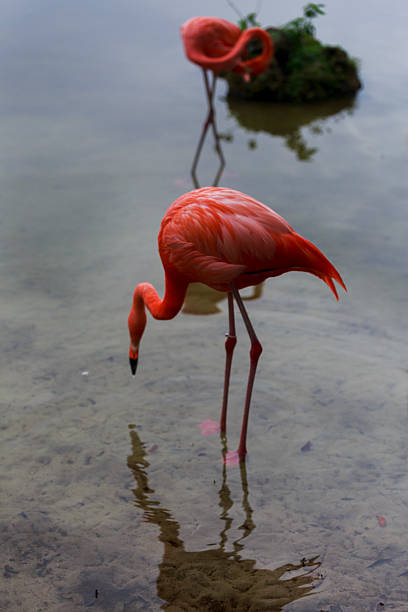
column 302, row 70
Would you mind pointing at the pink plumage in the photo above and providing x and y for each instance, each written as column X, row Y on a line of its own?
column 218, row 45
column 216, row 236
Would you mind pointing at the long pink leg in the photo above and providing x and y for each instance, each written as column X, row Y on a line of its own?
column 255, row 352
column 210, row 89
column 230, row 343
column 210, row 120
column 210, row 94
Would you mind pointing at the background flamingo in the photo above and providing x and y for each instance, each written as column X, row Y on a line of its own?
column 220, row 46
column 228, row 241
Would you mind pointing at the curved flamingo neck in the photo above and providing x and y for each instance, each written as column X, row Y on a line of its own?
column 232, row 59
column 167, row 308
column 258, row 64
column 146, row 296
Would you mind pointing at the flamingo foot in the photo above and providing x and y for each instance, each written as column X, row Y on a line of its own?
column 232, row 458
column 209, row 427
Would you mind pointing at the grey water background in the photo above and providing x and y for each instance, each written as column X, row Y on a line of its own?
column 100, row 115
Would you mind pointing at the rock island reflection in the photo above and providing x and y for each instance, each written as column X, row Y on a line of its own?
column 287, row 120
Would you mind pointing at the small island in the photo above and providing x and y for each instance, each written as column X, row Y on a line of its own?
column 302, row 68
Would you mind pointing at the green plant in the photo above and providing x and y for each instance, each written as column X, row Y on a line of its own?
column 306, row 60
column 249, row 22
column 302, row 68
column 312, row 10
column 303, row 26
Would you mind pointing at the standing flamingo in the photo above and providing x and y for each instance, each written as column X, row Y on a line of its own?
column 220, row 46
column 228, row 241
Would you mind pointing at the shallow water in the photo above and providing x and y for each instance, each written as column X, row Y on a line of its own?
column 112, row 498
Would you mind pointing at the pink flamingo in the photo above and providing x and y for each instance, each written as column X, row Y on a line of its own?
column 219, row 46
column 228, row 241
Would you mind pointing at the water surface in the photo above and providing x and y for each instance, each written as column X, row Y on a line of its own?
column 100, row 116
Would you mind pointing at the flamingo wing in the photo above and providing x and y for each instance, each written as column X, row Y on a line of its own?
column 208, row 38
column 215, row 235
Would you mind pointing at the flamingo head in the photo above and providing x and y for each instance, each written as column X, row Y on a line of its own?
column 136, row 324
column 133, row 357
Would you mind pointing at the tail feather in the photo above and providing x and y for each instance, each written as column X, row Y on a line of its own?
column 307, row 257
column 328, row 280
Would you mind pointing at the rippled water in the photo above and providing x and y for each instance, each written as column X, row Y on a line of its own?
column 112, row 498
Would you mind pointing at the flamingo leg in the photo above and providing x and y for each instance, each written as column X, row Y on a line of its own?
column 230, row 343
column 210, row 94
column 255, row 352
column 210, row 117
column 210, row 89
column 210, row 120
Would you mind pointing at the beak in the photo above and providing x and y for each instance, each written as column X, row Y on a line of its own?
column 133, row 365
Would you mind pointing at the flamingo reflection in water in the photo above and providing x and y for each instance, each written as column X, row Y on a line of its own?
column 215, row 579
column 216, row 45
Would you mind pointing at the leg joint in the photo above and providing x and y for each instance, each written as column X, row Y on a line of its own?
column 230, row 342
column 256, row 349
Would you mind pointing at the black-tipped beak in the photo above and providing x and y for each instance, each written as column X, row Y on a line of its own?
column 133, row 365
